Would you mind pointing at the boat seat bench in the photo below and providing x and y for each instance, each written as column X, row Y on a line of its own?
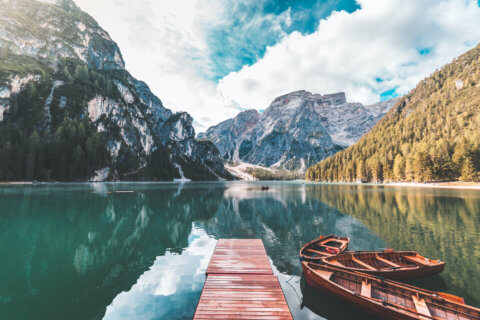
column 366, row 289
column 369, row 267
column 416, row 260
column 421, row 306
column 319, row 252
column 387, row 261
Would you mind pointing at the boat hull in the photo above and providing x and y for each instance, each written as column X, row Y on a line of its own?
column 315, row 281
column 385, row 298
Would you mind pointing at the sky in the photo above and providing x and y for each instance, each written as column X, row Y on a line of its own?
column 215, row 58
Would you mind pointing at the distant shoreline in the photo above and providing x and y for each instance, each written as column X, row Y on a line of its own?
column 440, row 185
column 437, row 185
column 15, row 182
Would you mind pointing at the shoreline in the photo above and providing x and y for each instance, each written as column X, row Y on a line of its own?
column 439, row 185
column 433, row 185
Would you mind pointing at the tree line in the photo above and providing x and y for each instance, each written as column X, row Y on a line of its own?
column 40, row 142
column 263, row 174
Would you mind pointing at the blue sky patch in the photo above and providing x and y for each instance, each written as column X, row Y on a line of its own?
column 254, row 25
column 424, row 51
column 389, row 94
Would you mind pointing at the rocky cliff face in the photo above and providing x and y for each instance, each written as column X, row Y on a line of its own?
column 65, row 66
column 296, row 130
column 229, row 134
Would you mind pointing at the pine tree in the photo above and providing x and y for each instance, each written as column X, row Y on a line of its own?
column 361, row 173
column 409, row 173
column 468, row 171
column 376, row 170
column 399, row 168
column 34, row 149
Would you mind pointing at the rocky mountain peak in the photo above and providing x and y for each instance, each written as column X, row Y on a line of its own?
column 76, row 35
column 64, row 4
column 248, row 115
column 338, row 98
column 296, row 130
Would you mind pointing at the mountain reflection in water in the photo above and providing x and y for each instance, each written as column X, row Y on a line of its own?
column 82, row 251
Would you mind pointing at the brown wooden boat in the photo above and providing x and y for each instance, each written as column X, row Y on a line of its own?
column 396, row 265
column 386, row 298
column 323, row 246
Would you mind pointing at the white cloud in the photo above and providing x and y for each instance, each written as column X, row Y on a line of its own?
column 164, row 43
column 349, row 51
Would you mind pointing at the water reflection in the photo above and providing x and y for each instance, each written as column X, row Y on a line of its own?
column 84, row 251
column 436, row 222
column 170, row 285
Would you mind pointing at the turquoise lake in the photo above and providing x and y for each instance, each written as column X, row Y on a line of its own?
column 88, row 251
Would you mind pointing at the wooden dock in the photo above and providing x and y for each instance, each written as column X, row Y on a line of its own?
column 240, row 284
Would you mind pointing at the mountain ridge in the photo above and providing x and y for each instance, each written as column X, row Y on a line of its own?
column 297, row 130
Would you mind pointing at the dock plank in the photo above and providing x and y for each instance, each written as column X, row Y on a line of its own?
column 239, row 256
column 240, row 284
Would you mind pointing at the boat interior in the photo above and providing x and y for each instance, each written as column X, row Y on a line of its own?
column 327, row 246
column 381, row 260
column 401, row 297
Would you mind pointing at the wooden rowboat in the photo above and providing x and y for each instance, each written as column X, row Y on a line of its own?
column 386, row 298
column 323, row 246
column 397, row 265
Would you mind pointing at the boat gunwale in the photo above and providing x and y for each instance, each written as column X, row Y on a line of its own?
column 354, row 254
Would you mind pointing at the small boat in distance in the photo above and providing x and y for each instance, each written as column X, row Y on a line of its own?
column 396, row 265
column 265, row 188
column 385, row 298
column 323, row 246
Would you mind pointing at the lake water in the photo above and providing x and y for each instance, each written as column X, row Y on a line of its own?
column 83, row 251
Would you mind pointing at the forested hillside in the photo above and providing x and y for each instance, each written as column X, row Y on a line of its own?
column 432, row 134
column 70, row 111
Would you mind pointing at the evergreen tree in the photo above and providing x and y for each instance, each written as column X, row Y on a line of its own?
column 34, row 159
column 399, row 168
column 361, row 173
column 409, row 173
column 468, row 171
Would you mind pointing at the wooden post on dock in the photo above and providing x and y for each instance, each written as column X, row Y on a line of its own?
column 240, row 284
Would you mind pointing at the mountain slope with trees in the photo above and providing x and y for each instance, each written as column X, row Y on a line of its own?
column 69, row 110
column 431, row 134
